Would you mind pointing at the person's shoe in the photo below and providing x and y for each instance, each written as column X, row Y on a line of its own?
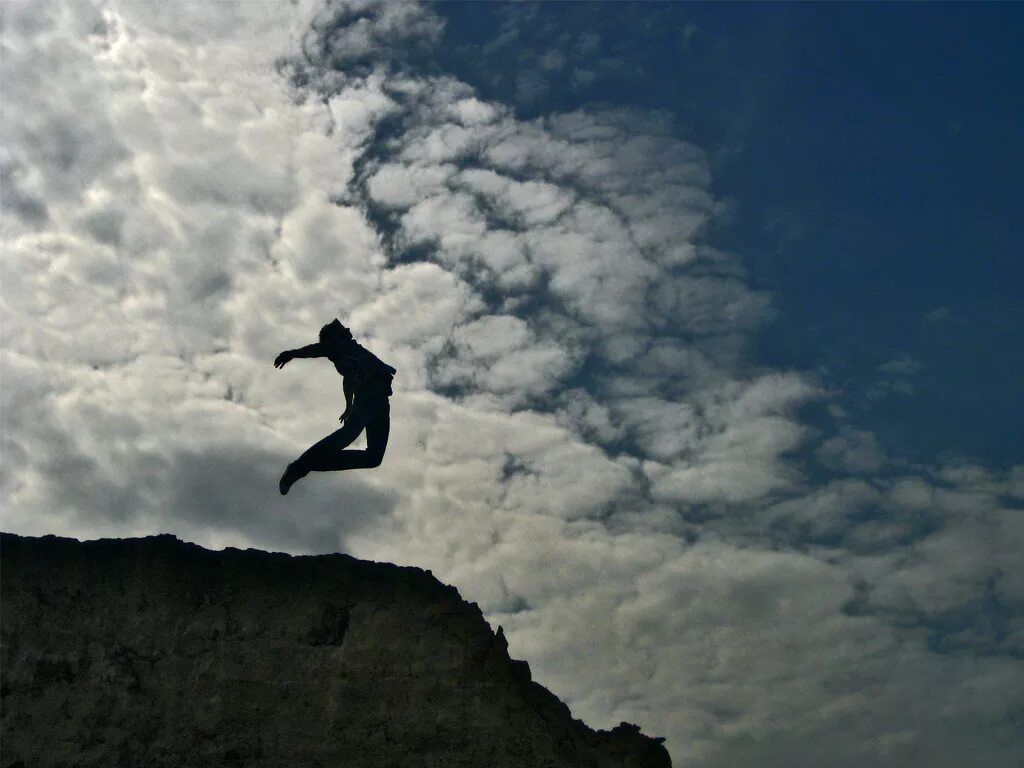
column 288, row 480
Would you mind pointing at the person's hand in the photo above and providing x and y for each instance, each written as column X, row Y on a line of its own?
column 283, row 359
column 343, row 416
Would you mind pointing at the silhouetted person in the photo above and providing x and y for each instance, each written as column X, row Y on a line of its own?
column 367, row 386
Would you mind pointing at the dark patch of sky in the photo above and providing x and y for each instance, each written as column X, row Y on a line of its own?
column 872, row 156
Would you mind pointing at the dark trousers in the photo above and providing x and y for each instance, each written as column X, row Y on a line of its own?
column 371, row 412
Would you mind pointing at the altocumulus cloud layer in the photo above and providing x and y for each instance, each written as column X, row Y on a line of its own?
column 581, row 441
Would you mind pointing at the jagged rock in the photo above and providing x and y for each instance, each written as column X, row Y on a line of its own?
column 154, row 652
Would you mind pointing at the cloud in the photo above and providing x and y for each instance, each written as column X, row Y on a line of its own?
column 895, row 376
column 581, row 440
column 854, row 450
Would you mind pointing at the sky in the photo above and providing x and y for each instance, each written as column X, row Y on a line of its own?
column 704, row 316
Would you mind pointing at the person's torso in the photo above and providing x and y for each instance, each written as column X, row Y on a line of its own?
column 359, row 366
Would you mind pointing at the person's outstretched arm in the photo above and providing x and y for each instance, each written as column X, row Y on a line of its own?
column 310, row 350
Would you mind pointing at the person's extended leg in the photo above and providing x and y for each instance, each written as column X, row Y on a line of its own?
column 329, row 455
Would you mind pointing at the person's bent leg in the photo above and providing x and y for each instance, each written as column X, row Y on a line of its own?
column 319, row 456
column 333, row 459
column 329, row 455
column 377, row 431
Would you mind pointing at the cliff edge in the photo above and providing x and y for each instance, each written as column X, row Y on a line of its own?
column 154, row 652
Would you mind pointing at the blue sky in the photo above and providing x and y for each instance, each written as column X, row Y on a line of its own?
column 704, row 319
column 872, row 154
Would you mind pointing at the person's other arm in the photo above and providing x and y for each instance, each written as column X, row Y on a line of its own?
column 346, row 385
column 311, row 350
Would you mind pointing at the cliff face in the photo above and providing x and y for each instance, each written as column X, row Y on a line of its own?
column 152, row 652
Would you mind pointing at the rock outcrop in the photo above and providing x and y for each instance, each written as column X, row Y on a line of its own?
column 154, row 652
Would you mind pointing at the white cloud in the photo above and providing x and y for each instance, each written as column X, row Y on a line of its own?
column 401, row 186
column 499, row 354
column 531, row 203
column 854, row 450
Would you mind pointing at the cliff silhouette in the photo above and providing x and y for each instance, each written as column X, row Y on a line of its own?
column 154, row 652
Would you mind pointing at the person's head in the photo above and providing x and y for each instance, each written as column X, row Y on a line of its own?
column 334, row 333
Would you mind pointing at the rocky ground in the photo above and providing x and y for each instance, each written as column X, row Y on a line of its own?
column 153, row 652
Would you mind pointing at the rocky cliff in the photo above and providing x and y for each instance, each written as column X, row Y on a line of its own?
column 153, row 652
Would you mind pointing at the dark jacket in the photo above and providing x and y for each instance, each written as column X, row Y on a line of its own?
column 363, row 370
